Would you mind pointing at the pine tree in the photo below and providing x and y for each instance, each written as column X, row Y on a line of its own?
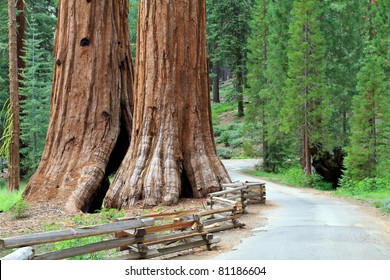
column 368, row 154
column 342, row 27
column 228, row 29
column 306, row 109
column 133, row 19
column 36, row 105
column 267, row 73
column 257, row 65
column 4, row 80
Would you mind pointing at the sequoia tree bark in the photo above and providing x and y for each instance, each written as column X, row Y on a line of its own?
column 172, row 152
column 91, row 105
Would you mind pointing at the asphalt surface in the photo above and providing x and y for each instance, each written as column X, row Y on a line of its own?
column 299, row 224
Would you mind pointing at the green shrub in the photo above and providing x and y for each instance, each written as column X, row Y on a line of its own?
column 224, row 153
column 316, row 181
column 236, row 143
column 296, row 177
column 367, row 185
column 3, row 184
column 225, row 138
column 20, row 209
column 217, row 130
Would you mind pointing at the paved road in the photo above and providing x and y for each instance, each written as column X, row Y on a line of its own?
column 308, row 225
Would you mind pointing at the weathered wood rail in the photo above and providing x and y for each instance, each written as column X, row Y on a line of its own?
column 148, row 236
column 238, row 195
column 137, row 238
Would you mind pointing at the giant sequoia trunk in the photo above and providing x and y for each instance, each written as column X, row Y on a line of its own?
column 172, row 153
column 90, row 119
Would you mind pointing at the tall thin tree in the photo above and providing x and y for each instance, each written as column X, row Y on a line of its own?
column 306, row 110
column 14, row 158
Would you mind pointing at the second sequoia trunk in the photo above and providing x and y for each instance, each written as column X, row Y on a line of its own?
column 172, row 153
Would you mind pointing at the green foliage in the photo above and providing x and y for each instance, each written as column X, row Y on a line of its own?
column 102, row 216
column 231, row 135
column 364, row 186
column 105, row 215
column 373, row 190
column 20, row 209
column 344, row 45
column 4, row 81
column 267, row 73
column 5, row 116
column 133, row 20
column 219, row 108
column 306, row 107
column 7, row 198
column 368, row 153
column 224, row 153
column 227, row 30
column 294, row 176
column 81, row 242
column 36, row 105
column 5, row 136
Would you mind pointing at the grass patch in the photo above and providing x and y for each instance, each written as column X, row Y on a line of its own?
column 219, row 108
column 8, row 199
column 375, row 191
column 295, row 177
column 20, row 209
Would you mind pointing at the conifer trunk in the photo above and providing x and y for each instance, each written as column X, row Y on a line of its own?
column 14, row 157
column 91, row 103
column 217, row 74
column 172, row 153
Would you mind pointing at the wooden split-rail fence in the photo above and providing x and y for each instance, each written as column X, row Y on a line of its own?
column 136, row 238
column 148, row 236
column 238, row 195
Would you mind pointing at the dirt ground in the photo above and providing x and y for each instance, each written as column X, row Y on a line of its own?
column 44, row 216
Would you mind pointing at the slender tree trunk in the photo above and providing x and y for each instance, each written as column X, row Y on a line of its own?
column 239, row 92
column 172, row 153
column 90, row 119
column 217, row 74
column 14, row 158
column 306, row 155
column 266, row 163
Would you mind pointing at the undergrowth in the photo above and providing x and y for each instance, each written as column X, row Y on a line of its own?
column 7, row 198
column 294, row 176
column 373, row 190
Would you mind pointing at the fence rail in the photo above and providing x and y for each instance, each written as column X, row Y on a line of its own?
column 238, row 195
column 148, row 236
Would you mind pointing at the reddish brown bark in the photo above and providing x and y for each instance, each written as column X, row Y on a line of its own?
column 14, row 157
column 172, row 152
column 90, row 120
